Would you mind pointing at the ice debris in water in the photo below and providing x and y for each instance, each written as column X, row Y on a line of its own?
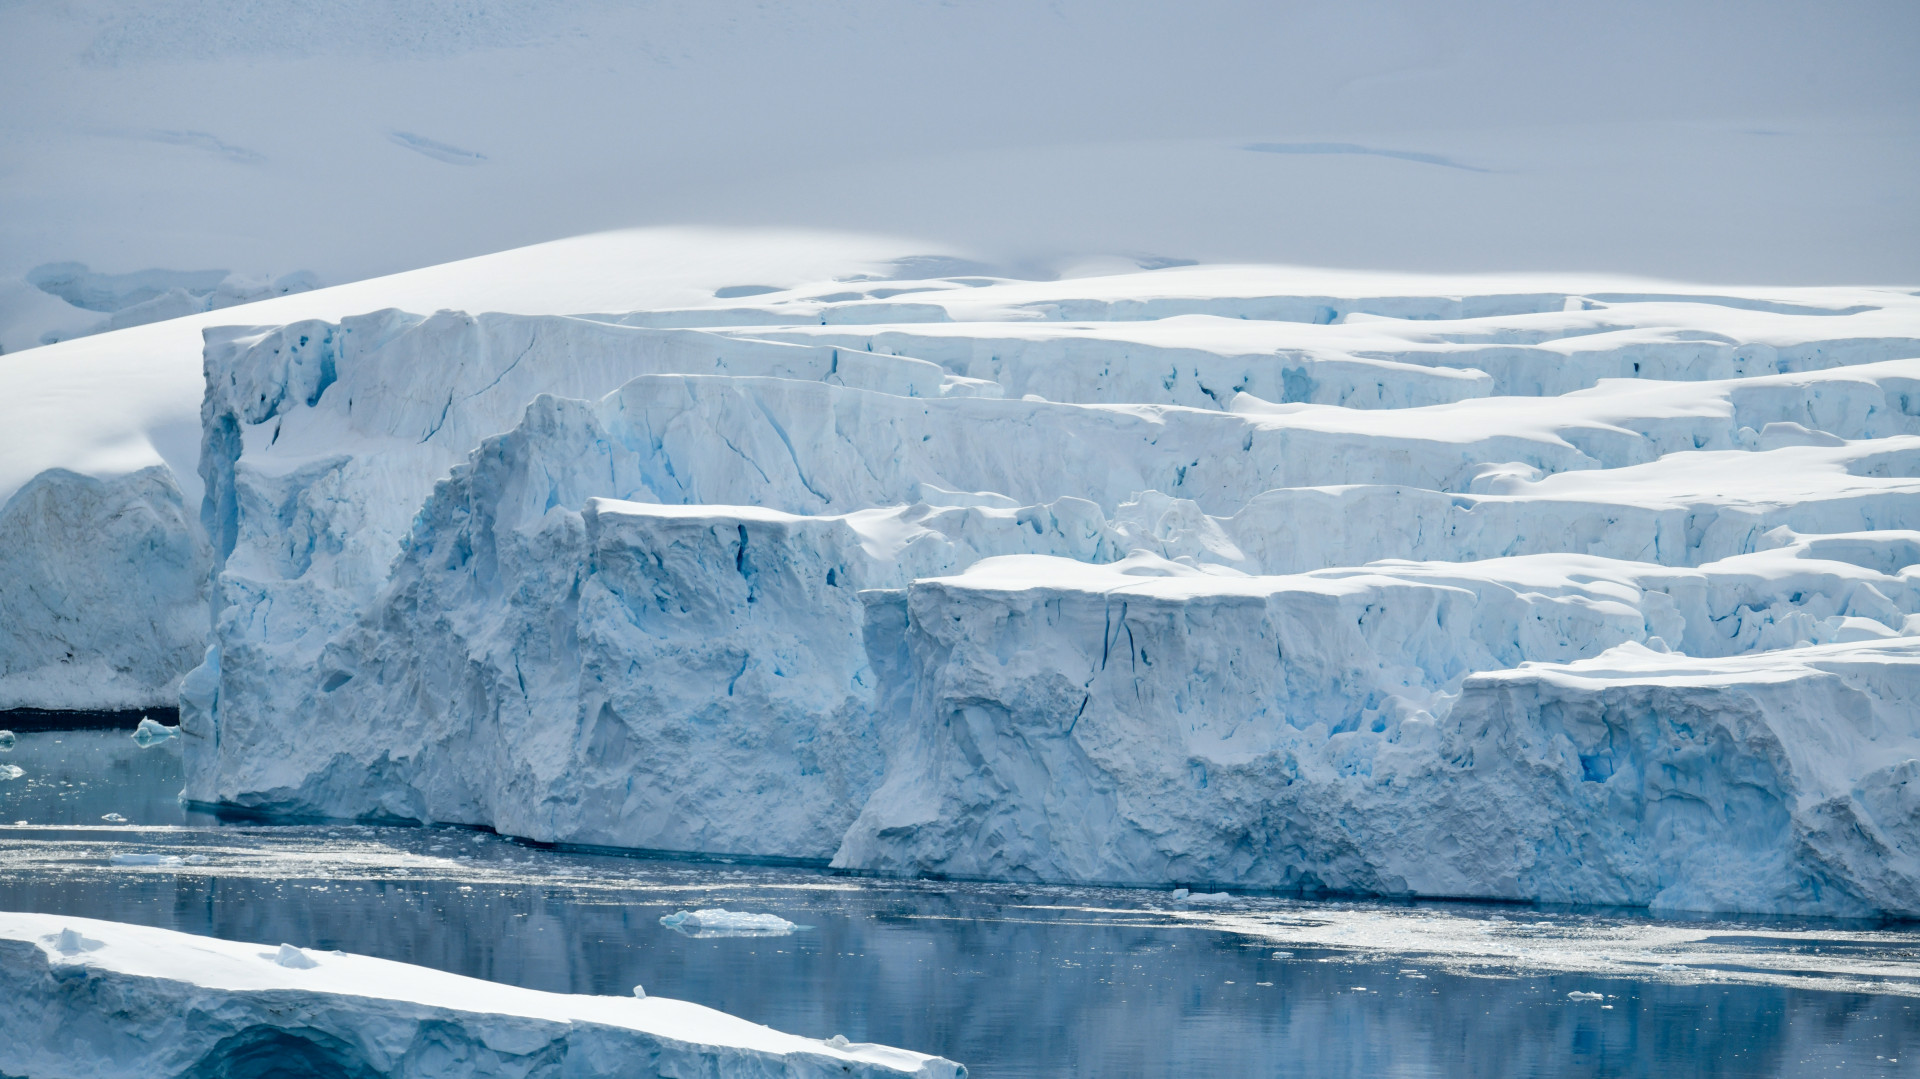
column 715, row 922
column 1201, row 897
column 113, row 818
column 71, row 943
column 11, row 771
column 150, row 732
column 6, row 741
column 293, row 958
column 1578, row 995
column 147, row 859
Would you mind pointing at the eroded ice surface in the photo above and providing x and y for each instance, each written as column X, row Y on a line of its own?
column 811, row 570
column 1503, row 589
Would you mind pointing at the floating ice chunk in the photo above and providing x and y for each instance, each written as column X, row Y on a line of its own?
column 714, row 922
column 640, row 992
column 1205, row 897
column 150, row 732
column 6, row 741
column 113, row 818
column 1283, row 955
column 293, row 958
column 70, row 942
column 1578, row 995
column 150, row 859
column 11, row 771
column 1180, row 894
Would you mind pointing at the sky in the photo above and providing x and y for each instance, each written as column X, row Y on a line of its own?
column 1751, row 143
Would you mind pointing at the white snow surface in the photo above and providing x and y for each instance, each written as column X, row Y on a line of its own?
column 161, row 142
column 109, row 999
column 1523, row 587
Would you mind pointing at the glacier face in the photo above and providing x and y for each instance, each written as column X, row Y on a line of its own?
column 106, row 999
column 1594, row 597
column 104, row 603
column 1423, row 732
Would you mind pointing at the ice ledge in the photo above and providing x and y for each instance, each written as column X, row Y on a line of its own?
column 107, row 1000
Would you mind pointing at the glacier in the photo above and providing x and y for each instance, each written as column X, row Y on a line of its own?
column 1501, row 591
column 109, row 999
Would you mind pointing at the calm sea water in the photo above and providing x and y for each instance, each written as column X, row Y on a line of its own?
column 1012, row 981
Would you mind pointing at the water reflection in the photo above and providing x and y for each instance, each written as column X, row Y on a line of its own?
column 1012, row 981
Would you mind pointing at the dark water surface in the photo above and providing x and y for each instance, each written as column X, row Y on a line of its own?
column 1012, row 981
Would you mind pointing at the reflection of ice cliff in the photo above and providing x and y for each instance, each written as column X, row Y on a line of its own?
column 122, row 1000
column 1169, row 577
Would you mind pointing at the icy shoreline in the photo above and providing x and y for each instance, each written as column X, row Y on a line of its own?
column 108, row 999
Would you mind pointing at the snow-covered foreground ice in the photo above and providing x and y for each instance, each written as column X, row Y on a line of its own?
column 110, row 999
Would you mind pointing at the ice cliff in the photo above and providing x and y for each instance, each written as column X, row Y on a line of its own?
column 1597, row 597
column 104, row 999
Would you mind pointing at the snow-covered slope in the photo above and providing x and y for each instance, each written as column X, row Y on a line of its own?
column 105, row 999
column 163, row 143
column 997, row 578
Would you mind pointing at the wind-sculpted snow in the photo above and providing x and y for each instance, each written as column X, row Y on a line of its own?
column 1121, row 580
column 105, row 999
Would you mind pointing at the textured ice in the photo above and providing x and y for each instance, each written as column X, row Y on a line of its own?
column 1217, row 577
column 135, row 299
column 150, row 733
column 1624, row 623
column 715, row 922
column 104, row 999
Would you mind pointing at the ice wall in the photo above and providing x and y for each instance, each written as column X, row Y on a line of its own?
column 103, row 591
column 792, row 581
column 1391, row 732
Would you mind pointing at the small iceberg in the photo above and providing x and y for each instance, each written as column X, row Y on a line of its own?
column 292, row 958
column 715, row 922
column 150, row 733
column 146, row 859
column 6, row 741
column 70, row 942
